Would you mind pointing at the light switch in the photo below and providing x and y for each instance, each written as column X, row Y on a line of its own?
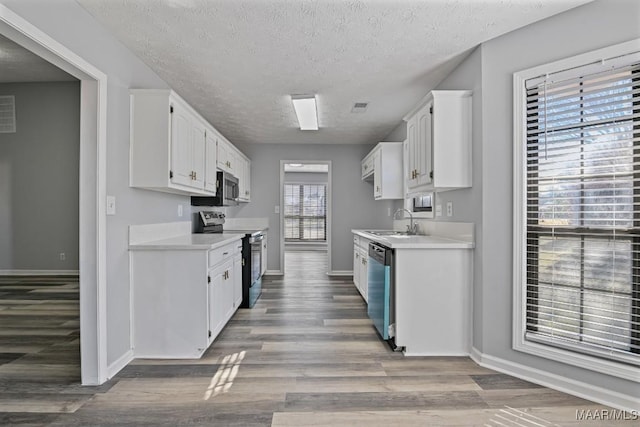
column 111, row 205
column 438, row 210
column 276, row 209
column 180, row 210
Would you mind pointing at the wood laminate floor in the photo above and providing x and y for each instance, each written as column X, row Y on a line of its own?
column 305, row 355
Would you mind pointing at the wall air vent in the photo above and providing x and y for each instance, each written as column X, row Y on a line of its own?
column 359, row 107
column 7, row 114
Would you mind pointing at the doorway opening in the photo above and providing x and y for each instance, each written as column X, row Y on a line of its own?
column 305, row 217
column 92, row 188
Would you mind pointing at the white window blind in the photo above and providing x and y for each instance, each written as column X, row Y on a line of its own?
column 305, row 212
column 583, row 211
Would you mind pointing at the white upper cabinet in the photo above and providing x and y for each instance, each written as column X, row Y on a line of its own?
column 226, row 158
column 198, row 153
column 173, row 149
column 383, row 166
column 211, row 158
column 244, row 176
column 439, row 142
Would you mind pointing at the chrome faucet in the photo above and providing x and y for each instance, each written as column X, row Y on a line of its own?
column 412, row 228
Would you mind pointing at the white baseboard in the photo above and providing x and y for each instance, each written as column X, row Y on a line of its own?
column 340, row 273
column 591, row 392
column 39, row 272
column 273, row 273
column 435, row 354
column 117, row 366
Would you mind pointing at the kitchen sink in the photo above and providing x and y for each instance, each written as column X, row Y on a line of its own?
column 393, row 233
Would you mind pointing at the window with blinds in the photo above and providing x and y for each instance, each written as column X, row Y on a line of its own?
column 582, row 232
column 305, row 212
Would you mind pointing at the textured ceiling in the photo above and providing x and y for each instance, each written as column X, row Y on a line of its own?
column 18, row 65
column 236, row 62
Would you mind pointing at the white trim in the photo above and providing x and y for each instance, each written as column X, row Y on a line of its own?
column 39, row 272
column 93, row 143
column 557, row 382
column 328, row 207
column 340, row 273
column 117, row 366
column 273, row 273
column 612, row 368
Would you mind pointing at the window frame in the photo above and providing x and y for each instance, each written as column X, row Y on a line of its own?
column 579, row 359
column 326, row 217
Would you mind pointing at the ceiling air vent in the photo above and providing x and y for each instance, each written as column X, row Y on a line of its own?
column 359, row 107
column 7, row 114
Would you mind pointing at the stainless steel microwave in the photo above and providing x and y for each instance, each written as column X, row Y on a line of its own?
column 227, row 192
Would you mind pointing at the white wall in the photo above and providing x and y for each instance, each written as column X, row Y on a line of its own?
column 353, row 203
column 68, row 23
column 39, row 169
column 592, row 26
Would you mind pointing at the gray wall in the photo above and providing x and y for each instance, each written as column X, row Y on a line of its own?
column 353, row 204
column 39, row 173
column 467, row 203
column 592, row 26
column 68, row 23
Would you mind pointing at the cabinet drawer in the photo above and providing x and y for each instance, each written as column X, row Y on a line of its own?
column 216, row 256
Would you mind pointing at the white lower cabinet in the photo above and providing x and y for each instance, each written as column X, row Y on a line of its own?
column 356, row 261
column 182, row 299
column 433, row 301
column 263, row 260
column 237, row 276
column 360, row 265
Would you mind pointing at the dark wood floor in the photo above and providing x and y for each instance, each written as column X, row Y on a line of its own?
column 306, row 354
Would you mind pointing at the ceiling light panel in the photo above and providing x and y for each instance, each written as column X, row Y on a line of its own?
column 306, row 111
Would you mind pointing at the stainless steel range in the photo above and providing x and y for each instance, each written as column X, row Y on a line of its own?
column 213, row 222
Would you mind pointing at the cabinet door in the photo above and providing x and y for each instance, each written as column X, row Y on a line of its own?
column 377, row 175
column 216, row 301
column 223, row 155
column 228, row 290
column 364, row 276
column 211, row 158
column 263, row 267
column 356, row 266
column 424, row 146
column 198, row 144
column 412, row 136
column 181, row 146
column 233, row 158
column 237, row 281
column 245, row 183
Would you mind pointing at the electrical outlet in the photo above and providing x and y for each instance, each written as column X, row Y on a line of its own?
column 438, row 210
column 63, row 256
column 180, row 210
column 449, row 208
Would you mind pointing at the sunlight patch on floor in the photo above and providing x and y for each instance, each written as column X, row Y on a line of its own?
column 222, row 380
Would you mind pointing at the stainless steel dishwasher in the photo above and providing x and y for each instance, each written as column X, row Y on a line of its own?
column 381, row 293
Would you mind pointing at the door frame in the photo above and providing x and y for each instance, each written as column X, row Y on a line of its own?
column 92, row 189
column 329, row 208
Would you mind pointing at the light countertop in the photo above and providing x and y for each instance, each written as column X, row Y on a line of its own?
column 245, row 230
column 189, row 242
column 415, row 241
